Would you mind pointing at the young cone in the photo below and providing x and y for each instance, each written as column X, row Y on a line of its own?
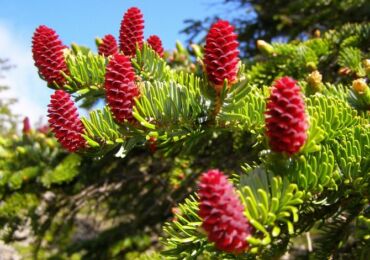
column 26, row 125
column 221, row 54
column 120, row 87
column 222, row 213
column 108, row 46
column 286, row 120
column 155, row 42
column 47, row 50
column 132, row 31
column 65, row 122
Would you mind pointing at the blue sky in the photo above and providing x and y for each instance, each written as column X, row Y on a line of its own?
column 80, row 21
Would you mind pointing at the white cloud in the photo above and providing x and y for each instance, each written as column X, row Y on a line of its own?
column 23, row 80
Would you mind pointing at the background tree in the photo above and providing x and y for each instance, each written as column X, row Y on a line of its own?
column 8, row 121
column 282, row 20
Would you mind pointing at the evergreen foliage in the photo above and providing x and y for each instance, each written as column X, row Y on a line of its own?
column 279, row 19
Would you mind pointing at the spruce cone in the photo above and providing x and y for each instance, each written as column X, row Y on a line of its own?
column 132, row 31
column 120, row 87
column 222, row 213
column 155, row 42
column 47, row 50
column 221, row 54
column 286, row 120
column 26, row 125
column 65, row 122
column 152, row 144
column 108, row 46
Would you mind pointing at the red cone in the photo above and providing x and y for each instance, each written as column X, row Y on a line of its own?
column 26, row 125
column 286, row 120
column 120, row 87
column 47, row 50
column 65, row 122
column 155, row 42
column 221, row 54
column 132, row 31
column 108, row 46
column 222, row 213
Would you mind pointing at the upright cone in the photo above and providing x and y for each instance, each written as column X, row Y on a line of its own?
column 108, row 46
column 221, row 54
column 120, row 87
column 64, row 121
column 47, row 51
column 286, row 120
column 155, row 42
column 132, row 31
column 26, row 125
column 222, row 213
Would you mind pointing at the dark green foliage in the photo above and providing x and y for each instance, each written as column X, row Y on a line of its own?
column 279, row 19
column 331, row 169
